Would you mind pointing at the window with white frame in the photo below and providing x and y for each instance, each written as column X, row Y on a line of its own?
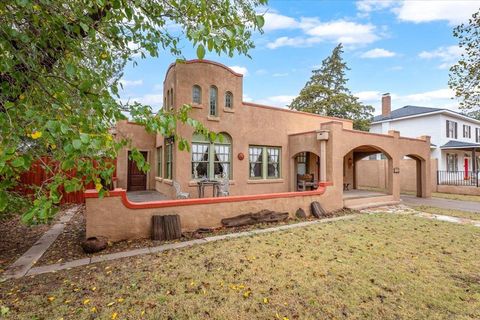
column 452, row 162
column 213, row 100
column 467, row 131
column 196, row 94
column 264, row 162
column 168, row 158
column 302, row 163
column 451, row 129
column 477, row 135
column 159, row 161
column 228, row 100
column 211, row 160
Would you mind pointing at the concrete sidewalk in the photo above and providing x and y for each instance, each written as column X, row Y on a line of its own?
column 470, row 206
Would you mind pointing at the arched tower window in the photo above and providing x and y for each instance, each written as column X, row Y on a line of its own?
column 213, row 101
column 228, row 100
column 196, row 94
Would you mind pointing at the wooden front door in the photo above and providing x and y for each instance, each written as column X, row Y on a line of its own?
column 137, row 180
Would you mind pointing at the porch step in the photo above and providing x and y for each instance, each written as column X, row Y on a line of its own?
column 369, row 202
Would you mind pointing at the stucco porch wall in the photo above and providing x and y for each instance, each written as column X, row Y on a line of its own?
column 116, row 218
column 372, row 173
column 343, row 141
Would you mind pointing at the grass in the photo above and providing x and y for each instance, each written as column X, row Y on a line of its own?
column 375, row 267
column 450, row 212
column 451, row 196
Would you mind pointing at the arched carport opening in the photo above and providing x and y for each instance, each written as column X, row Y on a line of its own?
column 306, row 171
column 412, row 175
column 367, row 171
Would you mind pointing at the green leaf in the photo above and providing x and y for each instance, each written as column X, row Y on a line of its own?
column 70, row 70
column 260, row 21
column 85, row 138
column 18, row 162
column 84, row 26
column 200, row 51
column 3, row 200
column 77, row 144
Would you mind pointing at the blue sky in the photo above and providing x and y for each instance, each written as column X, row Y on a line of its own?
column 401, row 47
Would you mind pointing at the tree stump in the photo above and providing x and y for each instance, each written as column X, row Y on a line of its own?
column 166, row 227
column 317, row 210
column 253, row 218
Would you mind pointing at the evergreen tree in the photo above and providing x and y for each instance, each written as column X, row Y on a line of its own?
column 326, row 93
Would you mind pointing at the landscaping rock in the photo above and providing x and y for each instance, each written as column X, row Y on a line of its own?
column 94, row 244
column 300, row 214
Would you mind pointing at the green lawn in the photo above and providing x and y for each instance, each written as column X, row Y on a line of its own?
column 449, row 212
column 372, row 267
column 462, row 197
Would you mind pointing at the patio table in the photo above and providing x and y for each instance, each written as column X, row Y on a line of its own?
column 201, row 184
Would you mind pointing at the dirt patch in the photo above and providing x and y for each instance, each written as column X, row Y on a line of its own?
column 16, row 237
column 67, row 246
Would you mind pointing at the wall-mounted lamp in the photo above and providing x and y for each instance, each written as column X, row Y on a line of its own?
column 396, row 170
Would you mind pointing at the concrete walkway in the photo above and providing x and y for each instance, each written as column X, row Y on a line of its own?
column 470, row 206
column 146, row 196
column 164, row 247
column 23, row 264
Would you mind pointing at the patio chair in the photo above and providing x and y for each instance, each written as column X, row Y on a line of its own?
column 179, row 193
column 223, row 188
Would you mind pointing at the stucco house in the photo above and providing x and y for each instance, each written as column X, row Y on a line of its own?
column 266, row 152
column 455, row 138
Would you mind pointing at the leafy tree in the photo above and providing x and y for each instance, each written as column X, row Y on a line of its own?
column 326, row 93
column 60, row 65
column 465, row 75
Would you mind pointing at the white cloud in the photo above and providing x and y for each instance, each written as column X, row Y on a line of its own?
column 151, row 99
column 378, row 53
column 246, row 98
column 239, row 69
column 455, row 12
column 448, row 56
column 368, row 6
column 277, row 101
column 346, row 32
column 131, row 83
column 429, row 96
column 368, row 95
column 275, row 21
column 261, row 72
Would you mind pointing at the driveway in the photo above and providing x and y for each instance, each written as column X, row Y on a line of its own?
column 470, row 206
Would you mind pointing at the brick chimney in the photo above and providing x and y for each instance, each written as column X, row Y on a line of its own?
column 386, row 104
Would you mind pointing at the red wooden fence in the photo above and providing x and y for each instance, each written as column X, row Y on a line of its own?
column 37, row 175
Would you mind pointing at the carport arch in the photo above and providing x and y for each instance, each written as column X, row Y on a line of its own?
column 360, row 152
column 421, row 176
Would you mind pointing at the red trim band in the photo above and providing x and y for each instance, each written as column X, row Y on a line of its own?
column 188, row 202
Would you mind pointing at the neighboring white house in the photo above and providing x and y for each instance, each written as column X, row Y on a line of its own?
column 455, row 137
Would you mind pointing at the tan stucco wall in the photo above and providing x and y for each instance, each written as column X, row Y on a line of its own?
column 472, row 191
column 141, row 140
column 247, row 124
column 110, row 218
column 371, row 173
column 343, row 141
column 251, row 124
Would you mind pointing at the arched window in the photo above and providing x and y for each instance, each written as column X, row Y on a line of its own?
column 211, row 159
column 171, row 98
column 213, row 100
column 228, row 100
column 196, row 94
column 167, row 104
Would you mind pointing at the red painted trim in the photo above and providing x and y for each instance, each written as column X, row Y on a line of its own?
column 294, row 111
column 189, row 202
column 203, row 61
